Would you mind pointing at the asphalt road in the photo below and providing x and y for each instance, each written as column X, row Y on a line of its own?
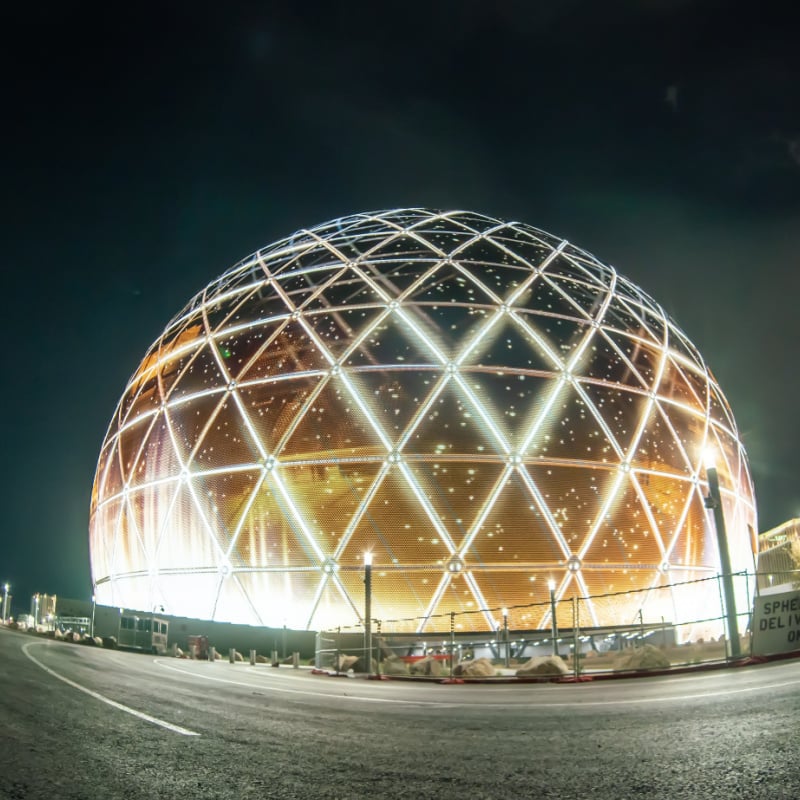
column 89, row 724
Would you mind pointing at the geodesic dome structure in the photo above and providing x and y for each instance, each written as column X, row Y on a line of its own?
column 481, row 405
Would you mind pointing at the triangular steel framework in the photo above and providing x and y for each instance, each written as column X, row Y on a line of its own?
column 313, row 383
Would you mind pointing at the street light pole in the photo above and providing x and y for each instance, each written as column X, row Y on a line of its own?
column 368, row 609
column 94, row 602
column 6, row 587
column 551, row 585
column 714, row 502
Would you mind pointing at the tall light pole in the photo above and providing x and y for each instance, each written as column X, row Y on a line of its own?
column 94, row 603
column 714, row 502
column 551, row 585
column 368, row 609
column 6, row 587
column 505, row 633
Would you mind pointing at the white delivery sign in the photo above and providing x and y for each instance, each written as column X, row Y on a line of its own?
column 776, row 623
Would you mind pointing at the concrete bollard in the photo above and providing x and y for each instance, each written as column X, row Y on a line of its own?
column 232, row 655
column 252, row 658
column 296, row 660
column 275, row 662
column 212, row 653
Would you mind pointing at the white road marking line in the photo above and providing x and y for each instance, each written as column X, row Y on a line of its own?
column 140, row 714
column 518, row 702
column 282, row 690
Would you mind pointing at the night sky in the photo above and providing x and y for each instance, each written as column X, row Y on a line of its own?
column 148, row 147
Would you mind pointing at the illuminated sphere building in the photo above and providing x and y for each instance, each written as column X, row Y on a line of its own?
column 483, row 406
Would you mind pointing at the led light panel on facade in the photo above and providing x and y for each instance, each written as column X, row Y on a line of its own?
column 481, row 405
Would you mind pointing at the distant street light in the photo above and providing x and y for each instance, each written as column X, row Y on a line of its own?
column 551, row 585
column 368, row 609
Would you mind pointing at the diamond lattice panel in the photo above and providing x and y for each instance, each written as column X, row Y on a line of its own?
column 482, row 405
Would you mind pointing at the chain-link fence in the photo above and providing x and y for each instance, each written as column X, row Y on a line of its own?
column 675, row 625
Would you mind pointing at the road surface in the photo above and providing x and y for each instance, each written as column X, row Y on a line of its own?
column 80, row 723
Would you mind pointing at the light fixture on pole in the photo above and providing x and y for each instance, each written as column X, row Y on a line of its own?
column 551, row 585
column 368, row 610
column 505, row 634
column 714, row 502
column 6, row 587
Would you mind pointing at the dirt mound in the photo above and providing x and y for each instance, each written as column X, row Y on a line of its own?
column 426, row 666
column 645, row 657
column 543, row 665
column 479, row 668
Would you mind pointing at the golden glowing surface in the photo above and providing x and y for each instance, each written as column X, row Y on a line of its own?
column 483, row 406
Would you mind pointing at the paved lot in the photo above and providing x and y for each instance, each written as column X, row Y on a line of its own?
column 78, row 722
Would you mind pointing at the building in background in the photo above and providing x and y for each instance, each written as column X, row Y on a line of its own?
column 779, row 557
column 43, row 610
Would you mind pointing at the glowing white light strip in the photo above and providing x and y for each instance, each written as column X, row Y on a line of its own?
column 444, row 582
column 164, row 526
column 584, row 590
column 356, row 397
column 275, row 480
column 141, row 377
column 439, row 357
column 610, row 499
column 598, row 418
column 254, row 437
column 345, row 596
column 245, row 513
column 492, row 322
column 484, row 511
column 134, row 525
column 484, row 415
column 648, row 512
column 422, row 411
column 209, row 528
column 544, row 508
column 537, row 272
column 444, row 534
column 543, row 415
column 574, row 361
column 156, row 482
column 355, row 520
column 479, row 598
column 221, row 582
column 542, row 342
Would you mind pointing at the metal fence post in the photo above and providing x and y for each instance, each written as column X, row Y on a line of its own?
column 452, row 640
column 722, row 609
column 380, row 649
column 576, row 655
